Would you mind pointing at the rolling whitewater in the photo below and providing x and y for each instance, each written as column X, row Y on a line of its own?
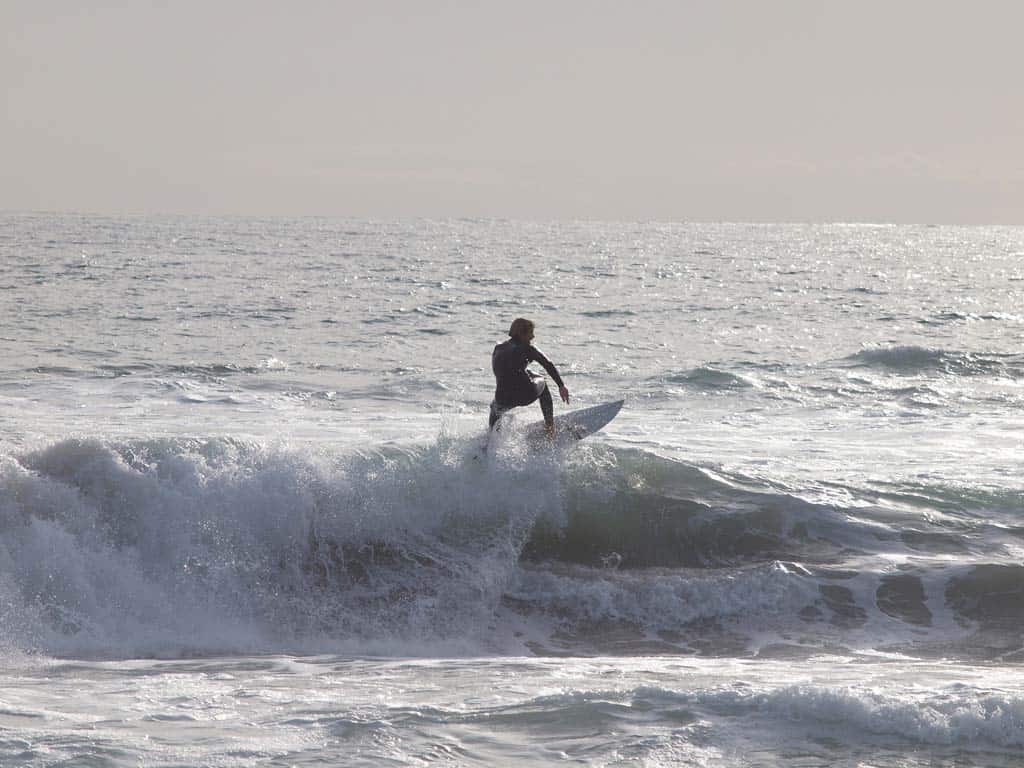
column 244, row 516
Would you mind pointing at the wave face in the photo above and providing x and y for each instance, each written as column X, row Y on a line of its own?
column 707, row 378
column 171, row 546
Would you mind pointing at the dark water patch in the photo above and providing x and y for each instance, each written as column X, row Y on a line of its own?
column 656, row 536
column 55, row 370
column 868, row 291
column 845, row 611
column 990, row 600
column 990, row 594
column 214, row 314
column 902, row 597
column 485, row 303
column 490, row 281
column 660, row 513
column 759, row 366
column 935, row 542
column 598, row 313
column 945, row 317
column 835, row 574
column 212, row 369
column 963, row 317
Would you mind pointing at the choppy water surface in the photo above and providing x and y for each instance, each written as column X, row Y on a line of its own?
column 244, row 515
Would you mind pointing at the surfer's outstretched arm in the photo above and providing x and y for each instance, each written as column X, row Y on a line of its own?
column 537, row 356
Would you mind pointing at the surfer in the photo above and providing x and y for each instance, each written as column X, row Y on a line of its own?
column 515, row 384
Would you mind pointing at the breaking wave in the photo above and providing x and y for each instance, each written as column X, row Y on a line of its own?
column 184, row 546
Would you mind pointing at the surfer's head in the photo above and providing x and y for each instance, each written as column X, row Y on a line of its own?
column 521, row 329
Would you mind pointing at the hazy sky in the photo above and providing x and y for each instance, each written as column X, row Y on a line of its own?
column 896, row 111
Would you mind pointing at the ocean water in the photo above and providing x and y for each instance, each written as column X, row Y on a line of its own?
column 245, row 518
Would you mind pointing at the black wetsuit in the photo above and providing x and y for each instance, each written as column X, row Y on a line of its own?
column 515, row 384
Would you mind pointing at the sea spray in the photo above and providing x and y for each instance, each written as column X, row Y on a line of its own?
column 226, row 543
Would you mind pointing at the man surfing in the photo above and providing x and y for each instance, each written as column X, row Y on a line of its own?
column 515, row 384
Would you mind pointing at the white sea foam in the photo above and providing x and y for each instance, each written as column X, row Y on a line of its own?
column 958, row 716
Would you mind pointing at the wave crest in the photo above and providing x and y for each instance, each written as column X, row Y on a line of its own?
column 912, row 359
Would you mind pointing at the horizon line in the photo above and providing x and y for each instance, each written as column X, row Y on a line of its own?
column 852, row 222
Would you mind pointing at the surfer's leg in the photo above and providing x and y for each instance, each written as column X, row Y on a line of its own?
column 495, row 415
column 547, row 407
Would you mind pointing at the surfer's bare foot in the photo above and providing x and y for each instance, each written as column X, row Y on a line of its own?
column 549, row 430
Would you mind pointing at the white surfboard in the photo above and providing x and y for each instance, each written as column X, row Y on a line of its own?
column 577, row 425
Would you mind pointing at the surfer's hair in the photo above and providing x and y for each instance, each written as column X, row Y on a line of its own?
column 520, row 327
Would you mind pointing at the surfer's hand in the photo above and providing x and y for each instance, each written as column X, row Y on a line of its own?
column 565, row 394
